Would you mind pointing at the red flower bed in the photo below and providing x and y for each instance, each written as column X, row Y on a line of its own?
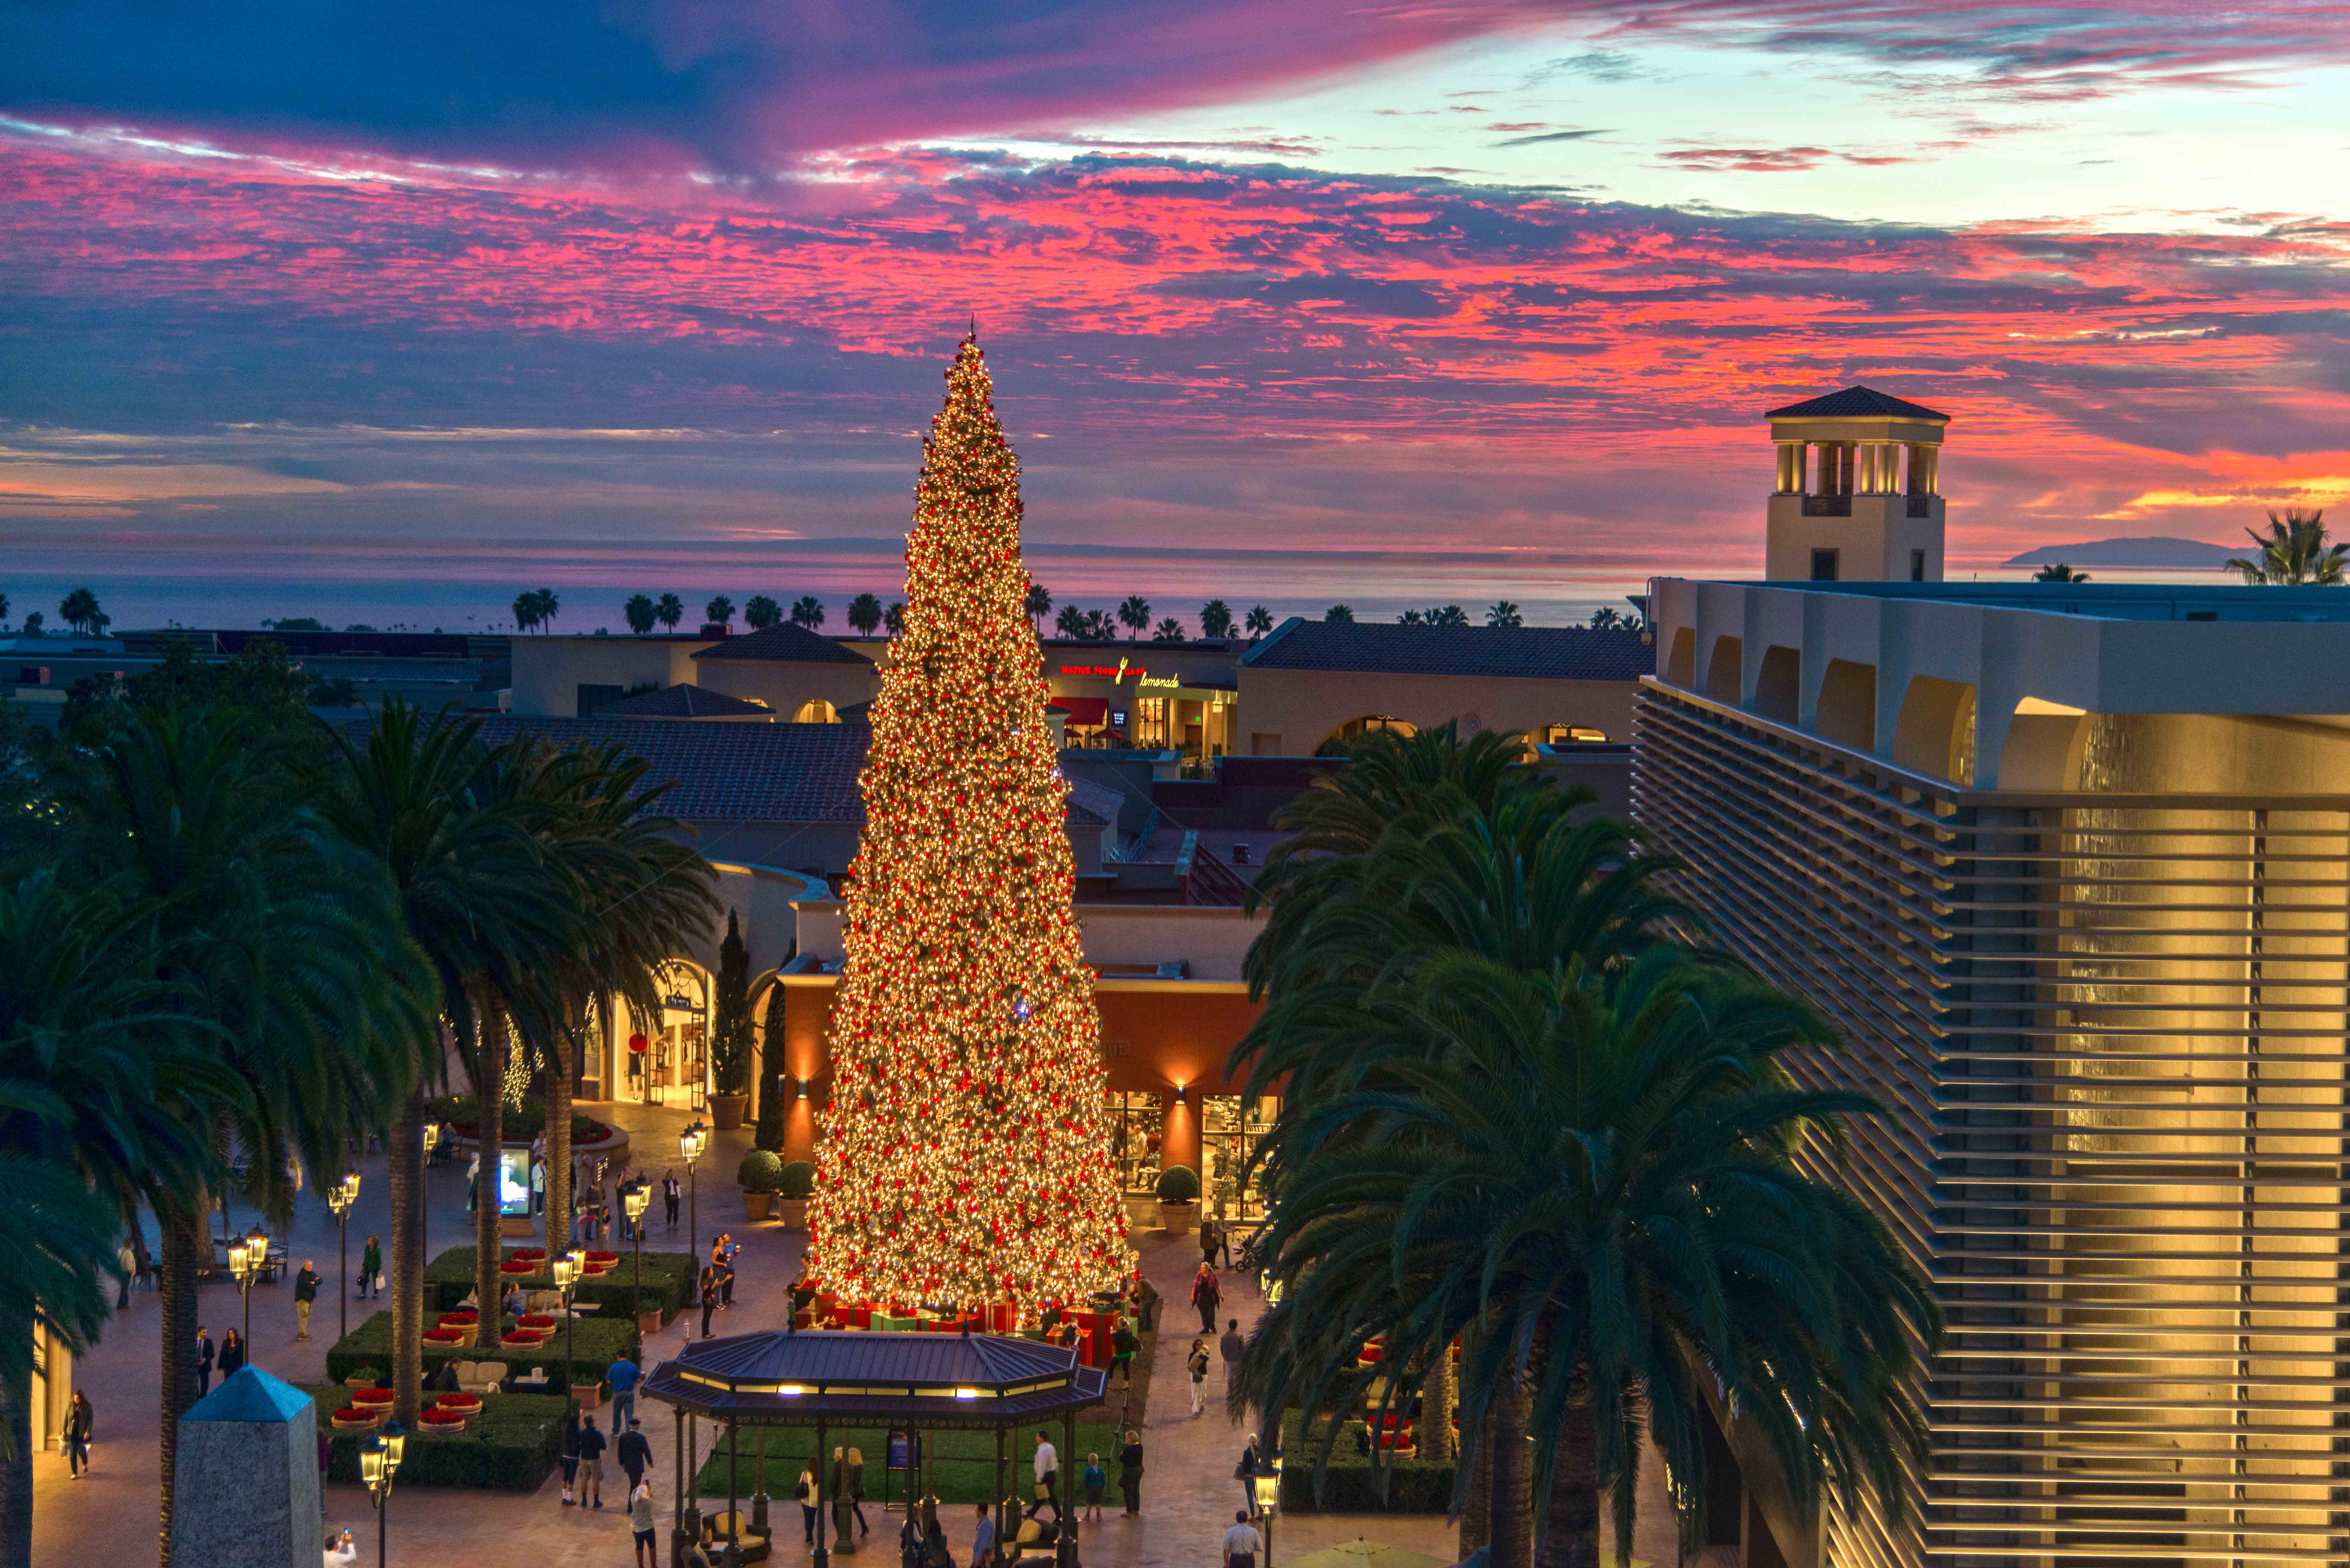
column 464, row 1404
column 603, row 1256
column 538, row 1319
column 465, row 1317
column 444, row 1420
column 519, row 1267
column 350, row 1417
column 444, row 1336
column 371, row 1398
column 528, row 1338
column 528, row 1254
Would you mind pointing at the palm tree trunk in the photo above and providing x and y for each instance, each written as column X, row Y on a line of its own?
column 490, row 1104
column 1477, row 1505
column 1513, row 1538
column 17, row 1455
column 558, row 1142
column 1571, row 1532
column 404, row 1163
column 1436, row 1401
column 186, row 1250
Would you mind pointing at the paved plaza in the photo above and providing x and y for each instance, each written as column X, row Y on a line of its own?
column 110, row 1516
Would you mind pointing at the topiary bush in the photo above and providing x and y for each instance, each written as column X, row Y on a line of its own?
column 797, row 1180
column 759, row 1172
column 1179, row 1184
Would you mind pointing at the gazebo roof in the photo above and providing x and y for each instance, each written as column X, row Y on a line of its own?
column 794, row 1377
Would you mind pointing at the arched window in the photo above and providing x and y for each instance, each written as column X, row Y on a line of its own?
column 816, row 711
column 1356, row 729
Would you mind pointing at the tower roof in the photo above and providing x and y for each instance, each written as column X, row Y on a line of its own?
column 1857, row 403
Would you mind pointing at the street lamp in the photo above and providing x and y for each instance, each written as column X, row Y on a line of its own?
column 690, row 1145
column 1266, row 1481
column 379, row 1459
column 566, row 1271
column 340, row 1199
column 246, row 1260
column 634, row 1202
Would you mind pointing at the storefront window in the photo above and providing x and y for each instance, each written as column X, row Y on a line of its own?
column 1137, row 1118
column 679, row 1071
column 1232, row 1125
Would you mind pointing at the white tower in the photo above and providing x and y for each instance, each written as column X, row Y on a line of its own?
column 1848, row 507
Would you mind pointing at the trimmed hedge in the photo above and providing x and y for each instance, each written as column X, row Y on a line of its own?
column 521, row 1124
column 965, row 1461
column 599, row 1343
column 512, row 1446
column 668, row 1282
column 1348, row 1484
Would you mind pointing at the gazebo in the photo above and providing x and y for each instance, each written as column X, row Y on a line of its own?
column 838, row 1379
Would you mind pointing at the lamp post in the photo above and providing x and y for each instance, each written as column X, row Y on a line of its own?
column 690, row 1145
column 637, row 1197
column 246, row 1260
column 340, row 1199
column 566, row 1271
column 379, row 1459
column 1266, row 1481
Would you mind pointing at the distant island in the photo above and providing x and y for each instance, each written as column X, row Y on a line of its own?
column 2151, row 555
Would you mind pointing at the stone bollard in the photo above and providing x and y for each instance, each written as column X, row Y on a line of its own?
column 245, row 1484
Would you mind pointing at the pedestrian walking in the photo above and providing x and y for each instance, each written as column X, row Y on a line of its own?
column 1207, row 1294
column 570, row 1454
column 127, row 1261
column 669, row 1190
column 806, row 1493
column 203, row 1362
column 709, row 1295
column 1197, row 1364
column 1096, row 1481
column 1210, row 1230
column 1146, row 1304
column 622, row 1375
column 591, row 1465
column 848, row 1484
column 305, row 1295
column 1245, row 1473
column 372, row 1269
column 1241, row 1542
column 982, row 1541
column 726, row 1269
column 641, row 1521
column 1122, row 1346
column 1224, row 1242
column 537, row 1186
column 1130, row 1472
column 635, row 1454
column 1231, row 1345
column 231, row 1354
column 81, row 1425
column 473, row 1186
column 1048, row 1476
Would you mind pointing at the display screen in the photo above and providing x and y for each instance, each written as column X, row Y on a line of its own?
column 513, row 1183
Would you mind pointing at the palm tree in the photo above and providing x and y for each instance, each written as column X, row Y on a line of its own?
column 1260, row 620
column 807, row 610
column 1339, row 612
column 1447, row 615
column 2058, row 572
column 2293, row 554
column 669, row 610
column 1071, row 622
column 1039, row 604
column 1606, row 618
column 1502, row 612
column 475, row 899
column 1215, row 620
column 1099, row 627
column 79, row 609
column 762, row 612
column 865, row 615
column 1412, row 618
column 1595, row 1179
column 1168, row 631
column 718, row 611
column 272, row 928
column 95, row 1083
column 1134, row 614
column 641, row 613
column 526, row 610
column 894, row 617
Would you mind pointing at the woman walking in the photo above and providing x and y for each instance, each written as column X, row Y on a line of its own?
column 372, row 1269
column 1130, row 1472
column 570, row 1454
column 1197, row 1363
column 806, row 1493
column 232, row 1356
column 81, row 1425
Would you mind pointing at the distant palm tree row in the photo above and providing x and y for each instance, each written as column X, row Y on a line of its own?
column 236, row 944
column 1543, row 1152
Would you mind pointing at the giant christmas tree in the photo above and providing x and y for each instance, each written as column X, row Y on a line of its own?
column 965, row 1155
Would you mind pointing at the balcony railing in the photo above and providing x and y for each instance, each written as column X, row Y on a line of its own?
column 1827, row 505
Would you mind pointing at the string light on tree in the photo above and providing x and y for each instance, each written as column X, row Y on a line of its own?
column 965, row 1157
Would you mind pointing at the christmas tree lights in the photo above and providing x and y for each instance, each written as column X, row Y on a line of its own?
column 965, row 1156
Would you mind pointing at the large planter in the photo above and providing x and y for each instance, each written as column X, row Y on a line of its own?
column 793, row 1213
column 1175, row 1219
column 726, row 1111
column 649, row 1320
column 755, row 1204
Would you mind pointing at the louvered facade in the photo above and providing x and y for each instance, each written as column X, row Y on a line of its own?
column 2108, row 1029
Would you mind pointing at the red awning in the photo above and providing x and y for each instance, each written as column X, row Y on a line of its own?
column 1085, row 712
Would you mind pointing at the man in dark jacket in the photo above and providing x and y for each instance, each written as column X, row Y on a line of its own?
column 203, row 1362
column 635, row 1454
column 305, row 1291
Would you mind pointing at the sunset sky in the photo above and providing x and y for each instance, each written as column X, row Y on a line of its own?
column 384, row 312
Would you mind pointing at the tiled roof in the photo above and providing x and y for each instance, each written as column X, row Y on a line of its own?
column 742, row 772
column 784, row 644
column 684, row 701
column 1388, row 647
column 1857, row 403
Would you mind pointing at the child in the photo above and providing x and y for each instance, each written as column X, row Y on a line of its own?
column 1096, row 1481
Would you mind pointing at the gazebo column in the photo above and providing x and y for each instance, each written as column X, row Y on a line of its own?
column 759, row 1493
column 733, row 1507
column 816, row 1480
column 677, row 1502
column 1001, row 1522
column 1067, row 1554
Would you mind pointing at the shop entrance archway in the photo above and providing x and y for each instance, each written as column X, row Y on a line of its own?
column 674, row 1068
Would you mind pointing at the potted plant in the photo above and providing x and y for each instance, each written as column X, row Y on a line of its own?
column 759, row 1175
column 729, row 1033
column 1178, row 1198
column 364, row 1378
column 791, row 1190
